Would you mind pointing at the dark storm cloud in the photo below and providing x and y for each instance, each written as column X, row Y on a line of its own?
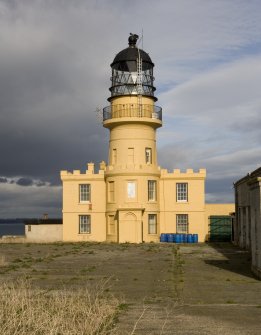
column 24, row 182
column 40, row 183
column 3, row 180
column 48, row 95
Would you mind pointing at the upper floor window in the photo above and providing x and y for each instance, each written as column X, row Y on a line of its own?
column 85, row 192
column 84, row 224
column 152, row 190
column 182, row 192
column 148, row 155
column 182, row 223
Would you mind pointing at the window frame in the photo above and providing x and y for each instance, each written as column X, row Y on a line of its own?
column 130, row 196
column 152, row 226
column 152, row 190
column 148, row 155
column 181, row 195
column 88, row 193
column 182, row 220
column 86, row 224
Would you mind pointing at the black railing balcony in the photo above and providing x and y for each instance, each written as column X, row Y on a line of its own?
column 132, row 110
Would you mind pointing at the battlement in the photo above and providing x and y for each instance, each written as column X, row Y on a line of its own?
column 89, row 173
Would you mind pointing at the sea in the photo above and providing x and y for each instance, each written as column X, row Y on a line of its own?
column 12, row 227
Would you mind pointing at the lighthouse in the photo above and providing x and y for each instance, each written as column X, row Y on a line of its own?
column 128, row 197
column 132, row 119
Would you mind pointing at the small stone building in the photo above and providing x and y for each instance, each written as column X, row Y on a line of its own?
column 131, row 198
column 247, row 224
column 43, row 230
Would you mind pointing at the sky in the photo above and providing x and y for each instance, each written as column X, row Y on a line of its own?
column 55, row 58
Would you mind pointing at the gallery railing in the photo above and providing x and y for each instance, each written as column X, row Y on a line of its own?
column 132, row 110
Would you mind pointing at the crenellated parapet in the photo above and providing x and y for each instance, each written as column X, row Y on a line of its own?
column 87, row 174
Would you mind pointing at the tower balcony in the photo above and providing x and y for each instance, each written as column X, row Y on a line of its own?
column 132, row 111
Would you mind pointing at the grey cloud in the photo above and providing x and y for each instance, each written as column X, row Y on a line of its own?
column 3, row 180
column 31, row 203
column 40, row 183
column 24, row 182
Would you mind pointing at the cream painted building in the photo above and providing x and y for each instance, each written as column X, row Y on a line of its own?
column 131, row 199
column 247, row 224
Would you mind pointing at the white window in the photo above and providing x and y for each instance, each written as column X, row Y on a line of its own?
column 131, row 189
column 148, row 156
column 182, row 192
column 85, row 193
column 111, row 191
column 182, row 223
column 152, row 190
column 84, row 224
column 152, row 221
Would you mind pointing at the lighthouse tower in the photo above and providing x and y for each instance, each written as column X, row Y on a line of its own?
column 132, row 175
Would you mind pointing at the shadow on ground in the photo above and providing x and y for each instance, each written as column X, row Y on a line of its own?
column 233, row 259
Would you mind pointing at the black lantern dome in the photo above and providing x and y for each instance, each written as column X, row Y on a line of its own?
column 132, row 72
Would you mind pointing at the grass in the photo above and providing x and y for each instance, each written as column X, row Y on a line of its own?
column 26, row 310
column 3, row 261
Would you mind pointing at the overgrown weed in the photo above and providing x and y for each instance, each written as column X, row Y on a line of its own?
column 26, row 310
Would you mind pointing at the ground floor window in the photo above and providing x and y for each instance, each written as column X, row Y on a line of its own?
column 182, row 223
column 152, row 221
column 84, row 224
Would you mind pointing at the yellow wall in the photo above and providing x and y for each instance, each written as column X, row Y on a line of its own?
column 216, row 209
column 72, row 207
column 219, row 209
column 194, row 207
column 44, row 233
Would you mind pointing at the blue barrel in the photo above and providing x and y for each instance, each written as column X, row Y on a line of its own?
column 189, row 238
column 184, row 238
column 170, row 238
column 178, row 238
column 195, row 238
column 163, row 238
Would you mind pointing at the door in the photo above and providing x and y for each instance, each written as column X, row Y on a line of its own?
column 129, row 228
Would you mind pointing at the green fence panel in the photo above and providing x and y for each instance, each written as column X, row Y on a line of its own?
column 220, row 228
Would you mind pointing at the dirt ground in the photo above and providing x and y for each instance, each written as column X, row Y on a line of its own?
column 164, row 288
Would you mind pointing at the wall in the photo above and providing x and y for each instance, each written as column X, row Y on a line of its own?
column 72, row 207
column 255, row 217
column 247, row 226
column 216, row 209
column 43, row 233
column 194, row 207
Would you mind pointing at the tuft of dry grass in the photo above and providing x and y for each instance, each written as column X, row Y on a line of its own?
column 3, row 261
column 26, row 310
